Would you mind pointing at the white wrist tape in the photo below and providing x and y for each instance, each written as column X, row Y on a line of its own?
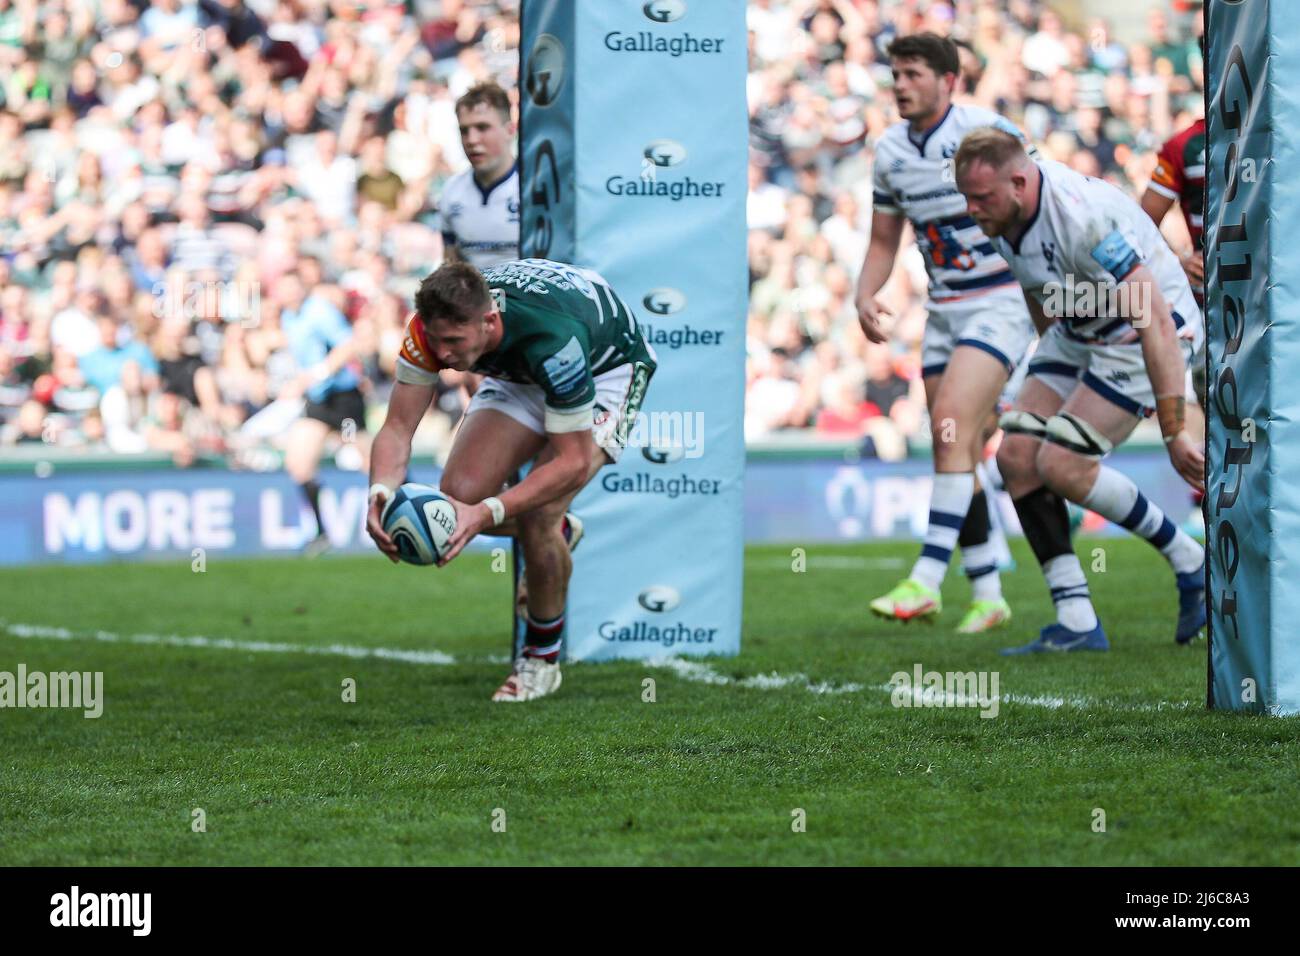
column 378, row 490
column 498, row 510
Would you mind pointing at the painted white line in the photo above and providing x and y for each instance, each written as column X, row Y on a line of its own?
column 829, row 562
column 694, row 671
column 42, row 632
column 921, row 697
column 701, row 673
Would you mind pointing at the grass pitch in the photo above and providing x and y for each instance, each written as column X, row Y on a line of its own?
column 422, row 765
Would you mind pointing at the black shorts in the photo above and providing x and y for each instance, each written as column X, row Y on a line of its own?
column 337, row 408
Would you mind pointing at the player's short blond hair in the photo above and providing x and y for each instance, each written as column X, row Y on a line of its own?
column 991, row 146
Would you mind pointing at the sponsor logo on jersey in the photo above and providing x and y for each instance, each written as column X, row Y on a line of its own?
column 1117, row 254
column 566, row 370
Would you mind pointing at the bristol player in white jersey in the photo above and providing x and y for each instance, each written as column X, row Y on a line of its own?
column 1119, row 323
column 478, row 210
column 977, row 328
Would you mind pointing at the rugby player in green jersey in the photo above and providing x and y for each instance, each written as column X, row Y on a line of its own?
column 566, row 369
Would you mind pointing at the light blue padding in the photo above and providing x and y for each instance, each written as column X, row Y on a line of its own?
column 1253, row 342
column 635, row 165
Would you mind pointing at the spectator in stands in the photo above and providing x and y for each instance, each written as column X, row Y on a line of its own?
column 150, row 145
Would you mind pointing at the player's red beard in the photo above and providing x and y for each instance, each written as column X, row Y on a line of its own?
column 1001, row 227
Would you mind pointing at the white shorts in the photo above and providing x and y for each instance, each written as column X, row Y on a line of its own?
column 617, row 405
column 1117, row 373
column 997, row 322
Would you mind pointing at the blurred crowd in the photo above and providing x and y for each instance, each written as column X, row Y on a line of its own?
column 819, row 98
column 173, row 173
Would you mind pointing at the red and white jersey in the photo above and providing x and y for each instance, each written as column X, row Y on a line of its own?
column 1180, row 176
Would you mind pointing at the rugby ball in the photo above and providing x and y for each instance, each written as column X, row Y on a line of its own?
column 420, row 521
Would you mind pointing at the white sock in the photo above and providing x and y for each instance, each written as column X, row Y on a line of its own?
column 1116, row 498
column 949, row 502
column 1070, row 593
column 987, row 584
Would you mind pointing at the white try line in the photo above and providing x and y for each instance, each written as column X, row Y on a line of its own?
column 42, row 632
column 923, row 697
column 701, row 673
column 697, row 672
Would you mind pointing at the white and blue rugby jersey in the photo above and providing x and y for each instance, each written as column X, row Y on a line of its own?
column 482, row 224
column 1081, row 241
column 914, row 177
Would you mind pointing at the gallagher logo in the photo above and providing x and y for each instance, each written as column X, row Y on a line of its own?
column 545, row 70
column 663, row 455
column 664, row 301
column 664, row 11
column 665, row 152
column 659, row 598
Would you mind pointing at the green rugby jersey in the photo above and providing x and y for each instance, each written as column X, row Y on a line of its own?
column 562, row 326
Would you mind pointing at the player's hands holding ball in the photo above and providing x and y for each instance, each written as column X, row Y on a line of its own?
column 379, row 495
column 417, row 524
column 470, row 521
column 870, row 309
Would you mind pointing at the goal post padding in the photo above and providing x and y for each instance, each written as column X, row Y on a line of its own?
column 633, row 154
column 1253, row 355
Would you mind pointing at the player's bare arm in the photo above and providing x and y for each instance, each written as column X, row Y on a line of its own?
column 563, row 469
column 391, row 453
column 1167, row 371
column 882, row 252
column 1157, row 206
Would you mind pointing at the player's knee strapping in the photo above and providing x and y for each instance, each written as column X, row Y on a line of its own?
column 1064, row 429
column 1072, row 432
column 1020, row 422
